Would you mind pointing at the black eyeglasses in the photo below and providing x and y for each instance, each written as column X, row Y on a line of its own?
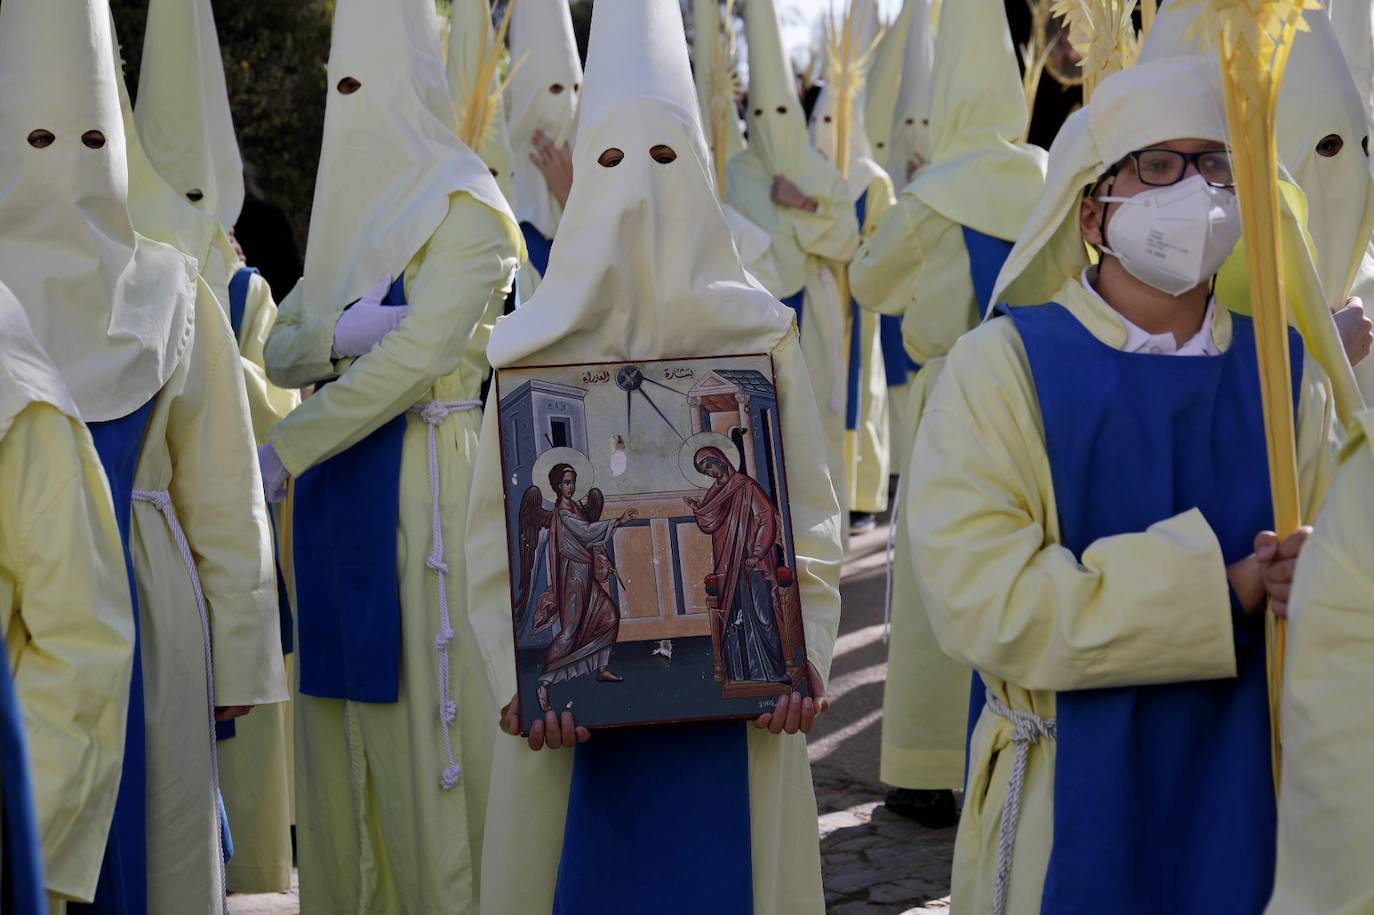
column 1166, row 167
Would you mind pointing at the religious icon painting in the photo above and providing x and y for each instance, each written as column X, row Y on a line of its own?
column 652, row 570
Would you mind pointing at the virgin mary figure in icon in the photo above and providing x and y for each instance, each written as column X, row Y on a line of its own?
column 578, row 596
column 743, row 525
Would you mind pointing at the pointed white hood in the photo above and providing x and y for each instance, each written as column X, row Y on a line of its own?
column 778, row 141
column 911, row 120
column 863, row 168
column 389, row 162
column 981, row 174
column 183, row 108
column 471, row 37
column 156, row 210
column 542, row 95
column 885, row 83
column 112, row 309
column 643, row 265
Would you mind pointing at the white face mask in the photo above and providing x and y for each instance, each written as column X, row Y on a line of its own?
column 1174, row 238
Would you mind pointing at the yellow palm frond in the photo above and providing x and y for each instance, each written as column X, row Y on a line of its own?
column 846, row 64
column 477, row 112
column 1253, row 39
column 1103, row 33
column 723, row 93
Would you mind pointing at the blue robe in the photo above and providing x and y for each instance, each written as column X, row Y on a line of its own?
column 1161, row 792
column 123, row 884
column 348, row 597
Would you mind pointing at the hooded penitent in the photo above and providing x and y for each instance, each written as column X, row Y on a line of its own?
column 778, row 145
column 911, row 121
column 864, row 30
column 388, row 163
column 643, row 267
column 112, row 309
column 885, row 83
column 158, row 211
column 1322, row 137
column 183, row 108
column 639, row 231
column 543, row 96
column 978, row 118
column 1354, row 25
column 471, row 44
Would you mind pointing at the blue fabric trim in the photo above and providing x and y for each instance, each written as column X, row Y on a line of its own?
column 898, row 367
column 537, row 247
column 1146, row 776
column 348, row 594
column 794, row 302
column 123, row 883
column 986, row 255
column 21, row 867
column 238, row 298
column 658, row 820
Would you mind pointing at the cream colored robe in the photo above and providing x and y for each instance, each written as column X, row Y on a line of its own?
column 255, row 764
column 376, row 833
column 808, row 249
column 529, row 792
column 916, row 265
column 199, row 447
column 868, row 459
column 1326, row 810
column 69, row 636
column 1005, row 598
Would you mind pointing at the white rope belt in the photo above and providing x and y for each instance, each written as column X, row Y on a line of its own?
column 1027, row 728
column 892, row 523
column 162, row 501
column 433, row 413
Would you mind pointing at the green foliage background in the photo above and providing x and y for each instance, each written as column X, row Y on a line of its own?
column 275, row 53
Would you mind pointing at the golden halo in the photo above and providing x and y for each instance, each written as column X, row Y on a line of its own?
column 579, row 461
column 686, row 456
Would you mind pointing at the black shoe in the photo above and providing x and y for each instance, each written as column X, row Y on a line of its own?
column 932, row 809
column 861, row 522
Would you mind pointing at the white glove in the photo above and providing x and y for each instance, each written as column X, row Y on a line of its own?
column 364, row 323
column 274, row 475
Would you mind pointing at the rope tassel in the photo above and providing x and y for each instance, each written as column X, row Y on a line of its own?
column 433, row 413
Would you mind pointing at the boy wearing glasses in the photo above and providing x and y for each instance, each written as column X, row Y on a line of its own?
column 1091, row 473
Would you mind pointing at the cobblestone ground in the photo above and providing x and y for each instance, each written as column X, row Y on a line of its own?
column 872, row 862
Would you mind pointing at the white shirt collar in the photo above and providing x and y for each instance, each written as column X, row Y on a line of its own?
column 1139, row 340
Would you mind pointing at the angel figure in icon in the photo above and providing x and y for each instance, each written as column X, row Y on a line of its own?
column 578, row 597
column 743, row 524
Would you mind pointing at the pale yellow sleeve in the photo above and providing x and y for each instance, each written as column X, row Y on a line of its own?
column 814, row 507
column 944, row 306
column 1003, row 596
column 291, row 354
column 1325, row 844
column 267, row 403
column 884, row 273
column 488, row 563
column 1317, row 433
column 832, row 232
column 470, row 260
column 217, row 492
column 73, row 670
